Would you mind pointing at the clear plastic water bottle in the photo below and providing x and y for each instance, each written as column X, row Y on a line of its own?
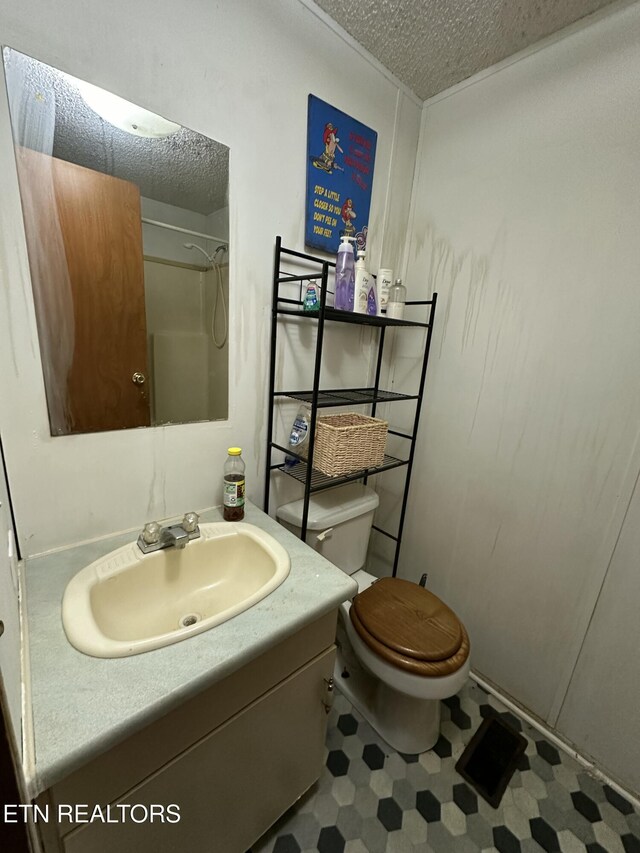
column 233, row 486
column 397, row 299
column 345, row 275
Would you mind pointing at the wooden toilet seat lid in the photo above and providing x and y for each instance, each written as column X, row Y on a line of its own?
column 408, row 620
column 422, row 668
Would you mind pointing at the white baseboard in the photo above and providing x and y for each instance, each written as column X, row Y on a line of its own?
column 557, row 740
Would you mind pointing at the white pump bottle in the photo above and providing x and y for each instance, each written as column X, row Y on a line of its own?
column 363, row 283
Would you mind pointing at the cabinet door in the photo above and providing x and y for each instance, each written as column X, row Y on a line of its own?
column 233, row 784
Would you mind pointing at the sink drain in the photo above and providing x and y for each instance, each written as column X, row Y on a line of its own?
column 189, row 619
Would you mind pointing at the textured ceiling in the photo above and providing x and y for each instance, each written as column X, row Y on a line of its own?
column 432, row 44
column 186, row 169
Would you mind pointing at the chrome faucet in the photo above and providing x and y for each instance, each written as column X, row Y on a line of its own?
column 154, row 537
column 174, row 537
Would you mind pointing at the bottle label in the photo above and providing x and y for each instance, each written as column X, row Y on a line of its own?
column 395, row 310
column 234, row 493
column 372, row 307
column 385, row 280
column 298, row 431
column 311, row 298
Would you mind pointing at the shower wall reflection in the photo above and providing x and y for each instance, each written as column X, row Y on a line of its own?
column 187, row 370
column 186, row 298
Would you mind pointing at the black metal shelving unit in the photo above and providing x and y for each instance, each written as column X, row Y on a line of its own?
column 312, row 479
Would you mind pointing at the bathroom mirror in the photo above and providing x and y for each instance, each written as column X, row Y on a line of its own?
column 126, row 223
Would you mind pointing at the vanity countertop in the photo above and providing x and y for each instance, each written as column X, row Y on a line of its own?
column 83, row 705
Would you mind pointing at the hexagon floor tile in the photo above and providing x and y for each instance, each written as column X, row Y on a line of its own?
column 371, row 799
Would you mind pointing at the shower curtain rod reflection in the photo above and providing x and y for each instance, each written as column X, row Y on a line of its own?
column 154, row 259
column 182, row 230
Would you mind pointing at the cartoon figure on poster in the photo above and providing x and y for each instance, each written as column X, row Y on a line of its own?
column 340, row 161
column 327, row 160
column 348, row 214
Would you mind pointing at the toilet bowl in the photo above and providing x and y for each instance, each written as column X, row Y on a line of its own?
column 401, row 650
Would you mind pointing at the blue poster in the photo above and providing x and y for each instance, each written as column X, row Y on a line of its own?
column 341, row 153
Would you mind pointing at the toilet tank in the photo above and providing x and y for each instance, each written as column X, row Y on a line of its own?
column 339, row 523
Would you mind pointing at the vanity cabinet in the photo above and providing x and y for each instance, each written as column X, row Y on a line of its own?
column 233, row 759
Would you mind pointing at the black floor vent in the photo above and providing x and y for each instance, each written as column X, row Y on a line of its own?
column 490, row 759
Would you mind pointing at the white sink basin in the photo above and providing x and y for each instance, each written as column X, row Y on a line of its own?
column 129, row 602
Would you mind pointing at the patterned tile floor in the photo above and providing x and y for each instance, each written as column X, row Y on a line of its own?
column 371, row 799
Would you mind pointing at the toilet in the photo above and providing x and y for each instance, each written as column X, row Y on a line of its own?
column 401, row 650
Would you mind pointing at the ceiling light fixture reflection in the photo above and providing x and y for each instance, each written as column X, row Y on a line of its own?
column 123, row 114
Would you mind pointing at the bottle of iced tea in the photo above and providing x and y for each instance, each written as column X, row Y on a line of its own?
column 234, row 485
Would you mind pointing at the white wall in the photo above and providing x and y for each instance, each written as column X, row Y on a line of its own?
column 600, row 711
column 526, row 223
column 240, row 73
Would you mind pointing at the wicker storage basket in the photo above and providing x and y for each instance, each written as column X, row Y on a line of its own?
column 348, row 442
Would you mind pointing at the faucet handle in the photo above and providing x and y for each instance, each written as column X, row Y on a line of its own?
column 151, row 533
column 190, row 522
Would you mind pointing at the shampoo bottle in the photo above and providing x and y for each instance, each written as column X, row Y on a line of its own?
column 362, row 285
column 383, row 283
column 345, row 276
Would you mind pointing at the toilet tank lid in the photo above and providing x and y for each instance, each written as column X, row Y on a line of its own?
column 331, row 507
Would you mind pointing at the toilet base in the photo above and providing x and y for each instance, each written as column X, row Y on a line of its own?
column 408, row 725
